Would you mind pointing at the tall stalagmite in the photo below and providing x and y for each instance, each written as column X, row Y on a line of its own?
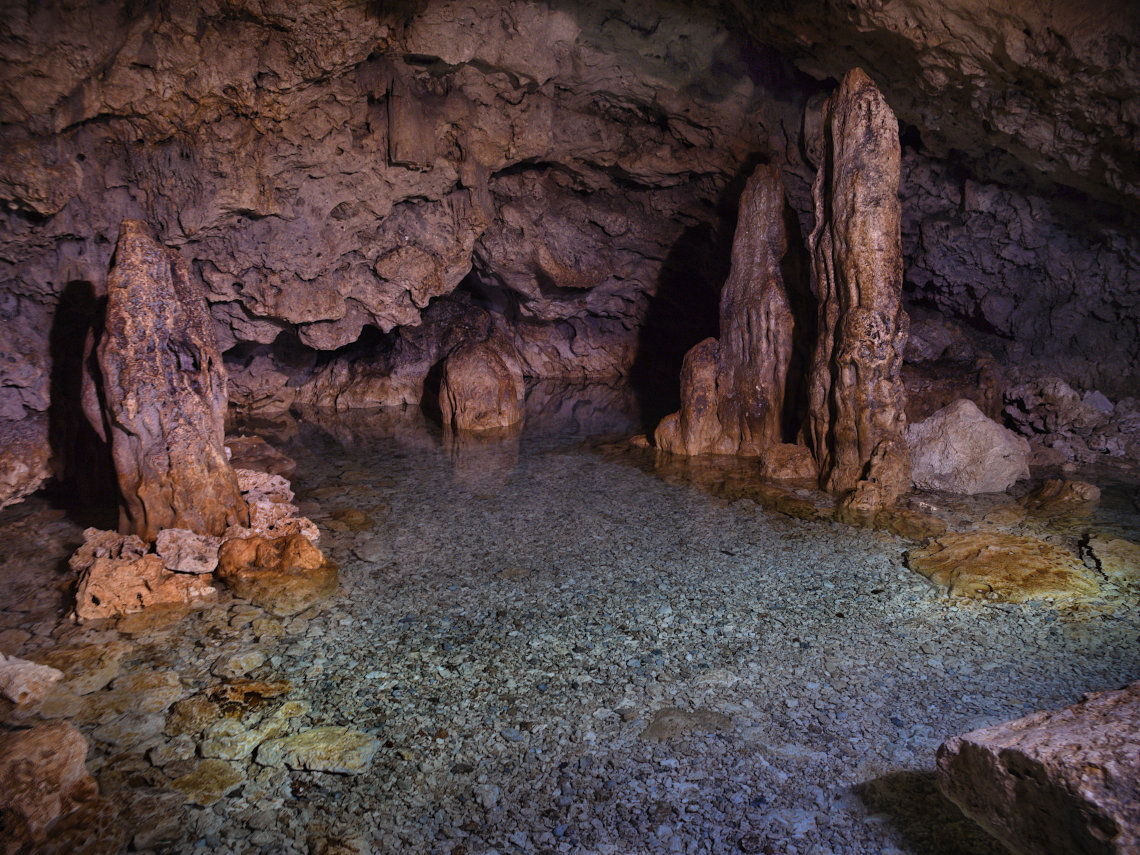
column 857, row 418
column 732, row 391
column 160, row 399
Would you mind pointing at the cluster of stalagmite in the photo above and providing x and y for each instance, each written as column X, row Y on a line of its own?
column 734, row 391
column 155, row 392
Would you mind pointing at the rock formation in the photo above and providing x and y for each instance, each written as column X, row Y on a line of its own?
column 481, row 387
column 117, row 576
column 732, row 390
column 857, row 413
column 959, row 450
column 160, row 399
column 24, row 458
column 1054, row 782
column 284, row 575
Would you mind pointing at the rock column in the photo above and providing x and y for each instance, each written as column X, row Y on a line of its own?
column 857, row 419
column 732, row 391
column 160, row 399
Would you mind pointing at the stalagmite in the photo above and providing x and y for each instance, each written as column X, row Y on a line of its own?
column 857, row 418
column 732, row 391
column 160, row 399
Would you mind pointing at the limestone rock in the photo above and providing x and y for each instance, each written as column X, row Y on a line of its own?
column 271, row 512
column 162, row 394
column 1115, row 557
column 284, row 575
column 786, row 462
column 209, row 781
column 733, row 389
column 1060, row 782
column 996, row 566
column 253, row 452
column 116, row 577
column 857, row 403
column 959, row 450
column 482, row 387
column 1060, row 496
column 184, row 551
column 44, row 778
column 86, row 668
column 23, row 682
column 322, row 749
column 24, row 458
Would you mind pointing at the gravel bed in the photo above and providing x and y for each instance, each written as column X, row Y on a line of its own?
column 513, row 618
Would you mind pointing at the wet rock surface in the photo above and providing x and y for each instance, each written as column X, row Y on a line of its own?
column 857, row 408
column 1054, row 782
column 160, row 397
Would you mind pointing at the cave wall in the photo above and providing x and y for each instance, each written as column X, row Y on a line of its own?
column 330, row 168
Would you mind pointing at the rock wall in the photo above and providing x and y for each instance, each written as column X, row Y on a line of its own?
column 330, row 169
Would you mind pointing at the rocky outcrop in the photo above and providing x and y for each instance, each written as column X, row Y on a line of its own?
column 284, row 575
column 44, row 779
column 117, row 576
column 1011, row 568
column 857, row 412
column 160, row 398
column 1054, row 782
column 959, row 450
column 24, row 458
column 481, row 386
column 733, row 389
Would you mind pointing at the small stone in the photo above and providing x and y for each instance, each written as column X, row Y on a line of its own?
column 128, row 731
column 322, row 749
column 673, row 723
column 239, row 664
column 23, row 682
column 191, row 716
column 211, row 780
column 175, row 750
column 487, row 795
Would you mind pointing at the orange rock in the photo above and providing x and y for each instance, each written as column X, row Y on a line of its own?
column 284, row 575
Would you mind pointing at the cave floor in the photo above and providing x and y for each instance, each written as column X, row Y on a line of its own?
column 558, row 651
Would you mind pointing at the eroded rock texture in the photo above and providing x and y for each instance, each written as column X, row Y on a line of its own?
column 732, row 390
column 857, row 415
column 482, row 387
column 1054, row 782
column 162, row 395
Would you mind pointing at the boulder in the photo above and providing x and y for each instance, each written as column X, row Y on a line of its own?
column 995, row 566
column 117, row 577
column 1057, row 782
column 481, row 387
column 857, row 403
column 24, row 458
column 183, row 551
column 23, row 682
column 160, row 398
column 284, row 575
column 44, row 778
column 732, row 390
column 959, row 450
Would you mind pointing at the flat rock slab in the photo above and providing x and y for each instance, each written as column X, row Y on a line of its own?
column 211, row 780
column 997, row 566
column 322, row 749
column 672, row 723
column 1062, row 781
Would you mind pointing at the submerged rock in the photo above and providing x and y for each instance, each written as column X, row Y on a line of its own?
column 673, row 723
column 23, row 682
column 1054, row 782
column 283, row 575
column 482, row 388
column 996, row 566
column 857, row 407
column 959, row 450
column 117, row 577
column 44, row 778
column 209, row 781
column 160, row 400
column 732, row 390
column 323, row 749
column 1115, row 557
